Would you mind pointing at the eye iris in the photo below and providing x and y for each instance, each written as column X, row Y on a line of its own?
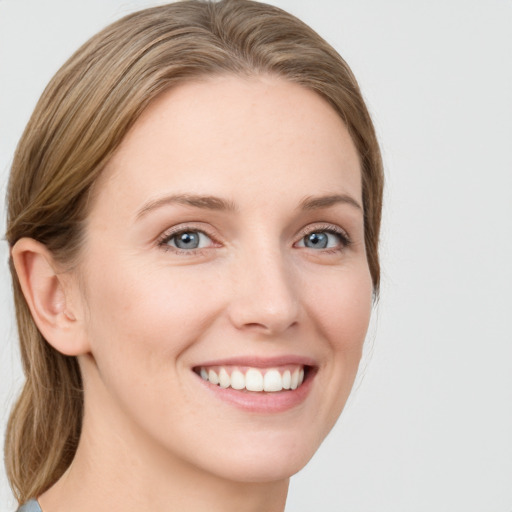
column 187, row 240
column 317, row 240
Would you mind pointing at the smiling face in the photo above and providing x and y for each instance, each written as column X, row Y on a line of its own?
column 225, row 283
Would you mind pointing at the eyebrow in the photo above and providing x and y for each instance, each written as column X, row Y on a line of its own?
column 219, row 204
column 197, row 201
column 317, row 203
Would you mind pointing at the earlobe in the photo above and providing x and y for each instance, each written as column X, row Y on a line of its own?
column 48, row 293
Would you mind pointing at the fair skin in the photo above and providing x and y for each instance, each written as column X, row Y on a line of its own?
column 216, row 241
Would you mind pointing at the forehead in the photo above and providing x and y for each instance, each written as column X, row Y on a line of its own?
column 229, row 134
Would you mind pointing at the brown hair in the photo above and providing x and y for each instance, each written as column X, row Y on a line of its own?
column 80, row 120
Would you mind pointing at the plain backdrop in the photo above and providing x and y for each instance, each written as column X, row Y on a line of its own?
column 429, row 427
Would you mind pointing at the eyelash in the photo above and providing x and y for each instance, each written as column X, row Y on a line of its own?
column 165, row 238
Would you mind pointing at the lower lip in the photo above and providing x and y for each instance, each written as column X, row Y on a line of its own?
column 263, row 402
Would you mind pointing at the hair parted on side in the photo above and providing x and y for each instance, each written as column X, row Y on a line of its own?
column 78, row 123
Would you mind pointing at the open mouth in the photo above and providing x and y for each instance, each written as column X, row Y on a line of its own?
column 270, row 380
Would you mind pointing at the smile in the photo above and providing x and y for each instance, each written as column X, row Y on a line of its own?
column 259, row 385
column 238, row 378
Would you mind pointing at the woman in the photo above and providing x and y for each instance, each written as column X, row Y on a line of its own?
column 194, row 211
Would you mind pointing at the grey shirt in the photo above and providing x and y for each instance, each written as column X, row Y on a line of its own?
column 30, row 506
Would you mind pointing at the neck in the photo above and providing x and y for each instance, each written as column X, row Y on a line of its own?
column 113, row 488
column 117, row 467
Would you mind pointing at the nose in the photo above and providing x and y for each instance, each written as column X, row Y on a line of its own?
column 264, row 297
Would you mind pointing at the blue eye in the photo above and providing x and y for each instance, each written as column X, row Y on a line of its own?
column 188, row 240
column 316, row 240
column 323, row 239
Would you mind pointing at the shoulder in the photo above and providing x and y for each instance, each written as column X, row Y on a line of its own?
column 30, row 506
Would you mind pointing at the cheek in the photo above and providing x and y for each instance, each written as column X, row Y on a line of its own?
column 144, row 316
column 141, row 320
column 343, row 304
column 342, row 307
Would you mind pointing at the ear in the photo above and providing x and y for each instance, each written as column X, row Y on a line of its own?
column 52, row 296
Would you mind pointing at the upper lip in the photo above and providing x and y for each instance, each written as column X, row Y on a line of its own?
column 261, row 362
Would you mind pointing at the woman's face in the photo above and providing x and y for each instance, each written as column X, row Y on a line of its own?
column 226, row 241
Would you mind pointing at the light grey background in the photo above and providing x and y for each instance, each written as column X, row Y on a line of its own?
column 429, row 428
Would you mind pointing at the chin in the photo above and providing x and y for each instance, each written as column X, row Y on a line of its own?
column 263, row 471
column 265, row 460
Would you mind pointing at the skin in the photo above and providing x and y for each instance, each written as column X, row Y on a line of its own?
column 144, row 314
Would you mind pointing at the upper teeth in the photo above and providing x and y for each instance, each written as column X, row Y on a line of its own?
column 254, row 379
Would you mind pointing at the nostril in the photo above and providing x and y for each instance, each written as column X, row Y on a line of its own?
column 269, row 328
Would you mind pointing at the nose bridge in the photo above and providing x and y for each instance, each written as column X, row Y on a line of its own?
column 264, row 296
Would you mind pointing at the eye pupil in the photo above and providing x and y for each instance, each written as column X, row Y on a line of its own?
column 187, row 240
column 317, row 240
